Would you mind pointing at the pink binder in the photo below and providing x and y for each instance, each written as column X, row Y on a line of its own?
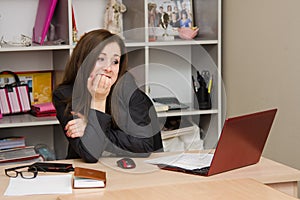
column 42, row 21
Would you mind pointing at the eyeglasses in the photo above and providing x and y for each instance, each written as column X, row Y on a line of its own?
column 26, row 172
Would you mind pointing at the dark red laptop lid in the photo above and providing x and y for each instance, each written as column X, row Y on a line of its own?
column 242, row 141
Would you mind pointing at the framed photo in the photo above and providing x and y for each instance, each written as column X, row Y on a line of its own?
column 165, row 16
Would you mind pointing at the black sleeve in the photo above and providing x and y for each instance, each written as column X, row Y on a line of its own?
column 100, row 135
column 128, row 140
column 141, row 136
column 76, row 149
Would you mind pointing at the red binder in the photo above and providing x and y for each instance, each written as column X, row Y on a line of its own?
column 42, row 21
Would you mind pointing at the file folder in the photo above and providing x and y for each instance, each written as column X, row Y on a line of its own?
column 42, row 21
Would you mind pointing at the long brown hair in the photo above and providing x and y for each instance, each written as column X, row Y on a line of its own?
column 82, row 62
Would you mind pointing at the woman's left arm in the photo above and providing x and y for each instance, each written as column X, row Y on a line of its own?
column 137, row 130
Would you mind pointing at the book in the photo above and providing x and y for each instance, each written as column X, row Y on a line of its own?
column 12, row 142
column 88, row 178
column 43, row 18
column 159, row 107
column 18, row 154
column 43, row 109
column 172, row 102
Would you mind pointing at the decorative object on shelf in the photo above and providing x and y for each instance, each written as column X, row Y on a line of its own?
column 164, row 23
column 113, row 16
column 202, row 92
column 74, row 28
column 14, row 97
column 166, row 16
column 152, row 21
column 25, row 41
column 188, row 33
column 39, row 84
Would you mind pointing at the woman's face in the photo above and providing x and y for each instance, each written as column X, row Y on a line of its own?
column 108, row 62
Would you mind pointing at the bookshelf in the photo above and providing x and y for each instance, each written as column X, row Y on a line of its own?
column 145, row 58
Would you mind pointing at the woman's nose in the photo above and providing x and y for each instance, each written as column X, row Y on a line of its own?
column 108, row 67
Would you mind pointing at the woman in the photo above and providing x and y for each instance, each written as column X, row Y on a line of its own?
column 99, row 104
column 184, row 21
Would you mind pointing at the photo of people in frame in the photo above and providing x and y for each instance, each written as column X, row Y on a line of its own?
column 179, row 14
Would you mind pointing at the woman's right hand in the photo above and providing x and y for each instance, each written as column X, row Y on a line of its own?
column 99, row 86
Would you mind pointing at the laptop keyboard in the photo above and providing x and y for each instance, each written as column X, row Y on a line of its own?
column 201, row 171
column 188, row 161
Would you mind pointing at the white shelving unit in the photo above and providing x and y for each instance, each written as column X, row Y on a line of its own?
column 148, row 61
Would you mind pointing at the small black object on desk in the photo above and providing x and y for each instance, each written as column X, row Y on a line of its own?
column 126, row 163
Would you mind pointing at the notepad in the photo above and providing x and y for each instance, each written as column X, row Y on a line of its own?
column 88, row 178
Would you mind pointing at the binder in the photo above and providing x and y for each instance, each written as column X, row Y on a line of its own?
column 42, row 21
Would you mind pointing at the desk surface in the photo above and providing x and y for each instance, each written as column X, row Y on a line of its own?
column 146, row 175
column 238, row 189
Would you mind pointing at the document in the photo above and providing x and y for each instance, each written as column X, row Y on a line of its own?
column 189, row 161
column 48, row 184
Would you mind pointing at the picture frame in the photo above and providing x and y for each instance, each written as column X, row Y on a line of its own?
column 179, row 14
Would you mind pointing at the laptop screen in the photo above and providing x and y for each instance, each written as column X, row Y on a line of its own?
column 242, row 141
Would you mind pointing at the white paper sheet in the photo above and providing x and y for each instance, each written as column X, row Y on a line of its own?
column 48, row 184
column 188, row 161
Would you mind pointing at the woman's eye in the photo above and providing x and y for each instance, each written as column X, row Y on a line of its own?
column 115, row 62
column 101, row 59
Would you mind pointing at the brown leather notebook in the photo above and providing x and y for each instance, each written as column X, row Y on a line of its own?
column 88, row 178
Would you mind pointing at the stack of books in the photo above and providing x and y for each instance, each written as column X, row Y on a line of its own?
column 43, row 109
column 12, row 142
column 14, row 150
column 19, row 155
column 159, row 107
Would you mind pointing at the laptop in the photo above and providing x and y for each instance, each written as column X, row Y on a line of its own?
column 241, row 143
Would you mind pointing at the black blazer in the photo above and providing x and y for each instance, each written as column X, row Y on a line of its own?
column 137, row 132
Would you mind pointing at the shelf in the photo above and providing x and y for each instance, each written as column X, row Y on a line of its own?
column 171, row 113
column 164, row 65
column 181, row 42
column 13, row 121
column 35, row 48
column 175, row 42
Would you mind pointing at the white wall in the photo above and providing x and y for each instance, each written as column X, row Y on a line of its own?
column 261, row 68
